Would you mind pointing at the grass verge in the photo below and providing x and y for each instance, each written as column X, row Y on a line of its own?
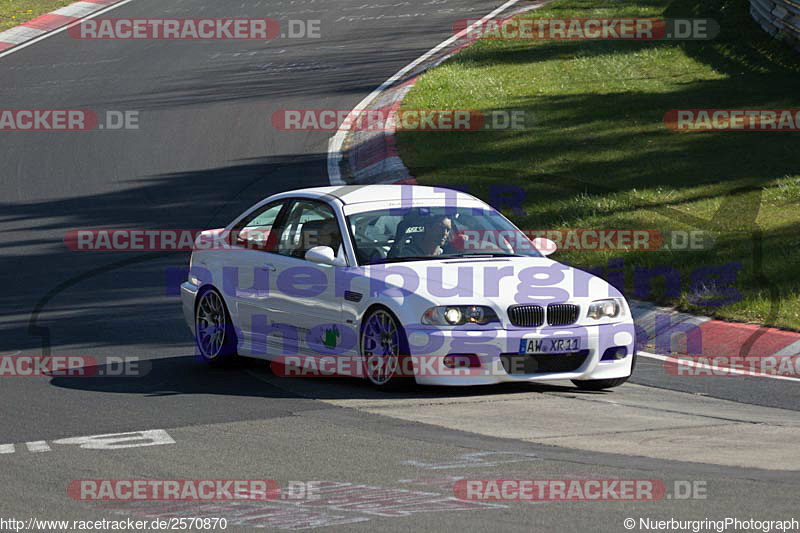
column 600, row 155
column 13, row 12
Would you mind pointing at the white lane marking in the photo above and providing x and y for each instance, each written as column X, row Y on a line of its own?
column 717, row 369
column 111, row 441
column 792, row 349
column 37, row 446
column 63, row 28
column 118, row 441
column 335, row 144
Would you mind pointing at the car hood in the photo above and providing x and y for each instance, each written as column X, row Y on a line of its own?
column 503, row 281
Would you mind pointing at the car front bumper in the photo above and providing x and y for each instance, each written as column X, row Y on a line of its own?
column 188, row 295
column 500, row 361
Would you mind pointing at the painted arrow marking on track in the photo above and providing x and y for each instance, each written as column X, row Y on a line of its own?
column 109, row 441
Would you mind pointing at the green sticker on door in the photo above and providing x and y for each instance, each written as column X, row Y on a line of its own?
column 331, row 337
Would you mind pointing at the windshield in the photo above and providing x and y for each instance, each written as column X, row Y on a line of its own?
column 423, row 233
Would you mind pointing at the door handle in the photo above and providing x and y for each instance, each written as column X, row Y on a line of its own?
column 270, row 267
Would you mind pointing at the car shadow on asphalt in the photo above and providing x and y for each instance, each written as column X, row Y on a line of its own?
column 250, row 377
column 111, row 298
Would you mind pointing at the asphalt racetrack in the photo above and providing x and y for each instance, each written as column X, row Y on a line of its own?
column 205, row 150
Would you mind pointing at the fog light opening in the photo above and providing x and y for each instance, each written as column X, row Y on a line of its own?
column 615, row 353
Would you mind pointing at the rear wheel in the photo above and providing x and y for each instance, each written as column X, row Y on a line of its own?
column 384, row 348
column 214, row 332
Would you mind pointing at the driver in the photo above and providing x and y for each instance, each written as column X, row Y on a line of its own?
column 430, row 242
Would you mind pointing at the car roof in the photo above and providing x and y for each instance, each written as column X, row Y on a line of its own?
column 355, row 194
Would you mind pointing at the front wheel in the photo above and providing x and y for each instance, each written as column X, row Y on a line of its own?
column 214, row 332
column 384, row 348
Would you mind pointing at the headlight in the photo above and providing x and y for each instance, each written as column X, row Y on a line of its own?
column 455, row 315
column 605, row 309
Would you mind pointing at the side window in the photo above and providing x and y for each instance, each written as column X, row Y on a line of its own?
column 255, row 231
column 309, row 223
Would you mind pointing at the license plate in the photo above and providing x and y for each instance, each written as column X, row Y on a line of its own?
column 550, row 345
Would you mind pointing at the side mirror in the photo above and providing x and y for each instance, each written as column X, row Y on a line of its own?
column 544, row 246
column 323, row 255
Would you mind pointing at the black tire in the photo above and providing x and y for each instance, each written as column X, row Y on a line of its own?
column 598, row 384
column 395, row 380
column 602, row 384
column 226, row 352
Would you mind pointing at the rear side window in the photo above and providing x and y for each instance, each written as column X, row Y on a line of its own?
column 256, row 230
column 308, row 223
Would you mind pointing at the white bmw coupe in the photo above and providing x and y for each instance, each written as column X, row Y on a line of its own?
column 412, row 283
